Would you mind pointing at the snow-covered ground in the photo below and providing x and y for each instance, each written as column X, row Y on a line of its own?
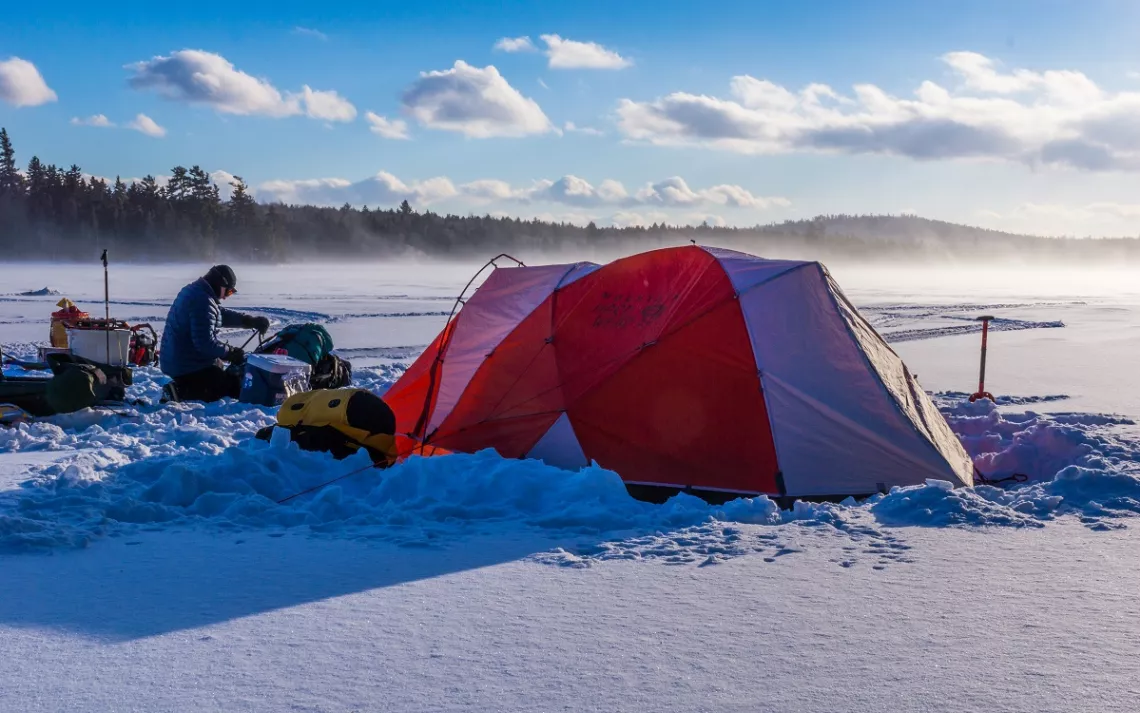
column 145, row 564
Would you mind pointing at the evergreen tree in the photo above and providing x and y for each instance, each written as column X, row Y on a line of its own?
column 10, row 179
column 39, row 196
column 241, row 205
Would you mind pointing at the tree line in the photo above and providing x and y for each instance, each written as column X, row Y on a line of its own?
column 56, row 213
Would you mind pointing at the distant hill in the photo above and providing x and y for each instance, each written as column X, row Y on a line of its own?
column 899, row 228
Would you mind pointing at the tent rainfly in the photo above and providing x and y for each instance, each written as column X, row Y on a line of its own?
column 682, row 368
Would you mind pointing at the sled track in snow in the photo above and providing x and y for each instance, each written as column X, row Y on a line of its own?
column 295, row 315
column 887, row 311
column 388, row 315
column 374, row 298
column 997, row 325
column 898, row 322
column 410, row 352
column 126, row 303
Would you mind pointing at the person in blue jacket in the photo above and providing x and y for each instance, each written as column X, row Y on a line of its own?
column 191, row 352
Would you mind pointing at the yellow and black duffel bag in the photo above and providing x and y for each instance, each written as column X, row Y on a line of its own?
column 339, row 421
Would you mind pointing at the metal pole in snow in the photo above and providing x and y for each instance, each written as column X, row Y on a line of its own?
column 106, row 304
column 982, row 393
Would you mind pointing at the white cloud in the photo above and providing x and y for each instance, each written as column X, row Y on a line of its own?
column 626, row 219
column 478, row 103
column 224, row 181
column 715, row 221
column 490, row 189
column 327, row 105
column 204, row 78
column 141, row 123
column 676, row 192
column 146, row 125
column 1036, row 118
column 98, row 120
column 21, row 84
column 980, row 73
column 571, row 54
column 515, row 44
column 386, row 189
column 572, row 190
column 382, row 189
column 572, row 128
column 310, row 32
column 386, row 128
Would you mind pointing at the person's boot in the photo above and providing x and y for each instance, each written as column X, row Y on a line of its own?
column 169, row 393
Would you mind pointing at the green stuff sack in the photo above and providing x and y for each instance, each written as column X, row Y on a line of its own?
column 78, row 387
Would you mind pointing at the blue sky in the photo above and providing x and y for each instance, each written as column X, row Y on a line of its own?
column 690, row 111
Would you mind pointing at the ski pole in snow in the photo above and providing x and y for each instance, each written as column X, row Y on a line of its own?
column 107, row 304
column 982, row 393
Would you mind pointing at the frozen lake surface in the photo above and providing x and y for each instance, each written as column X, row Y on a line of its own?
column 146, row 567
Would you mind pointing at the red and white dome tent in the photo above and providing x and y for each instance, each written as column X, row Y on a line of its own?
column 682, row 368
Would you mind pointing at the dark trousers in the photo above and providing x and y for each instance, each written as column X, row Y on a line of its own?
column 210, row 384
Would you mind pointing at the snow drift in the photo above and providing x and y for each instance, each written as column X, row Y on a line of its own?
column 194, row 466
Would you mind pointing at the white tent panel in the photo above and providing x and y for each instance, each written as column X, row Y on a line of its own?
column 824, row 452
column 904, row 387
column 823, row 386
column 559, row 447
column 746, row 271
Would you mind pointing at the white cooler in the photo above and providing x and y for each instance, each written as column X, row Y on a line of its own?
column 92, row 344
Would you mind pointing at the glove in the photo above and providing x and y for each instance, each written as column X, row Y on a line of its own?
column 261, row 324
column 235, row 355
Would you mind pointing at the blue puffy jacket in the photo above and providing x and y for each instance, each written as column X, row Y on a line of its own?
column 190, row 340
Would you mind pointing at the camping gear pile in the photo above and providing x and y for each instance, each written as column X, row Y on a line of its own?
column 312, row 345
column 113, row 342
column 297, row 370
column 297, row 359
column 90, row 361
column 688, row 368
column 104, row 341
column 76, row 383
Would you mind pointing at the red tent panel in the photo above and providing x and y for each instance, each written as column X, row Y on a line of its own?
column 408, row 396
column 687, row 411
